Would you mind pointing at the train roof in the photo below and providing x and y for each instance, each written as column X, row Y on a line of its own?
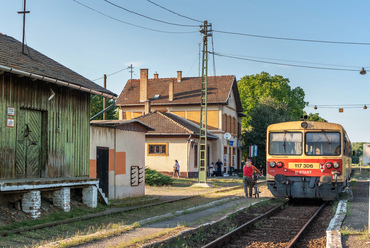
column 310, row 125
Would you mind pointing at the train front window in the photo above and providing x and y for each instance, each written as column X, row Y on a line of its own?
column 285, row 143
column 323, row 143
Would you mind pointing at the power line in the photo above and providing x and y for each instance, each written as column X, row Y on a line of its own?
column 118, row 20
column 112, row 73
column 295, row 61
column 173, row 12
column 294, row 39
column 275, row 63
column 153, row 19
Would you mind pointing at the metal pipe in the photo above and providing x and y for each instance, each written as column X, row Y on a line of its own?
column 104, row 110
column 55, row 81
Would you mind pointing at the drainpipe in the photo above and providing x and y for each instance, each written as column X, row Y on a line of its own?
column 103, row 111
column 188, row 155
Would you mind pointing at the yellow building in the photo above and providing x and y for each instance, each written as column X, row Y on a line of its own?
column 180, row 96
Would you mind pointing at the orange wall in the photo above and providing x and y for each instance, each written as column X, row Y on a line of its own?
column 179, row 113
column 212, row 118
column 92, row 170
column 121, row 163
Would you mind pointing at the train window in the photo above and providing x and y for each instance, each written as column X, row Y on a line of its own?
column 323, row 144
column 286, row 143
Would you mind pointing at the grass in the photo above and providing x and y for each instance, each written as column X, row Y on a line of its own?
column 349, row 231
column 107, row 225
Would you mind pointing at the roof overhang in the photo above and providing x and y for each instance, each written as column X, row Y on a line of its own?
column 116, row 123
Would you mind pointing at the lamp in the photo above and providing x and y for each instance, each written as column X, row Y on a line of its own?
column 363, row 72
column 365, row 107
column 315, row 107
column 52, row 94
column 192, row 142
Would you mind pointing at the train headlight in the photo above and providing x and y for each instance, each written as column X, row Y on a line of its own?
column 272, row 164
column 329, row 165
column 336, row 165
column 279, row 164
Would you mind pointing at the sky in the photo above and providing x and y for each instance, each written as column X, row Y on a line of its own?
column 96, row 39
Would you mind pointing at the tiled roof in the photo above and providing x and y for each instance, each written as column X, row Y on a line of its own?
column 11, row 56
column 185, row 92
column 171, row 124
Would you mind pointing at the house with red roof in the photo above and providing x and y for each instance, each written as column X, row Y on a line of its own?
column 172, row 107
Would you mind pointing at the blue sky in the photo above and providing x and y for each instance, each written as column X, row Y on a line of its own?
column 92, row 44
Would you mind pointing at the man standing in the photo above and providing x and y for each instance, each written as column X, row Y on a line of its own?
column 219, row 167
column 247, row 178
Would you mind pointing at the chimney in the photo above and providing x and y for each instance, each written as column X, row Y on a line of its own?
column 147, row 107
column 143, row 85
column 179, row 75
column 170, row 91
column 155, row 75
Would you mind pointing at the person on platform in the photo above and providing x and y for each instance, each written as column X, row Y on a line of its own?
column 219, row 167
column 248, row 177
column 176, row 169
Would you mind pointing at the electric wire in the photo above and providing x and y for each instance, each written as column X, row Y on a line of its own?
column 150, row 18
column 285, row 64
column 296, row 61
column 112, row 74
column 134, row 25
column 173, row 12
column 294, row 39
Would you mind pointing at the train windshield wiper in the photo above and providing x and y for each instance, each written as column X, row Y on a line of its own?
column 284, row 141
column 327, row 138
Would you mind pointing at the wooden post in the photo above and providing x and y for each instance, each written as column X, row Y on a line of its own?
column 104, row 99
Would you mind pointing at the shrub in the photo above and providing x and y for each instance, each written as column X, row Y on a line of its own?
column 154, row 178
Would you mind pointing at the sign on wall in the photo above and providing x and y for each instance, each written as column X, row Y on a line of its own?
column 11, row 111
column 9, row 122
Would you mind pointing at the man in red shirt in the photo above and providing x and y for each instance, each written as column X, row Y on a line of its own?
column 247, row 177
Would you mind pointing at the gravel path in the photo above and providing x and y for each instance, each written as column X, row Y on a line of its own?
column 191, row 219
column 357, row 215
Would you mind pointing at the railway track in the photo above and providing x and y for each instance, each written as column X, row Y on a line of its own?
column 83, row 222
column 279, row 227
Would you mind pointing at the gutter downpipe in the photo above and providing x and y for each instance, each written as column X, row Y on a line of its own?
column 188, row 155
column 104, row 110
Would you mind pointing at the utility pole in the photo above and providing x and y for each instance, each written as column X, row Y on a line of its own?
column 205, row 29
column 131, row 70
column 199, row 61
column 104, row 99
column 24, row 12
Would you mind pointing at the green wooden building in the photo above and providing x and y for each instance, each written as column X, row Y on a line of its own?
column 44, row 118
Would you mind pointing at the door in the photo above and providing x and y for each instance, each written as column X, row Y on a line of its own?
column 28, row 148
column 102, row 169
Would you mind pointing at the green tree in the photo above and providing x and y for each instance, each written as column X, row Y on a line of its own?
column 260, row 86
column 358, row 148
column 97, row 106
column 266, row 112
column 315, row 117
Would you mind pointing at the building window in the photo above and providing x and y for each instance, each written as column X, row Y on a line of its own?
column 158, row 149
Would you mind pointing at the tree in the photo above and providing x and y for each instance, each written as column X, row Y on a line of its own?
column 97, row 106
column 315, row 117
column 358, row 148
column 266, row 112
column 260, row 86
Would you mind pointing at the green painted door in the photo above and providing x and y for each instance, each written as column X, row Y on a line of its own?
column 28, row 150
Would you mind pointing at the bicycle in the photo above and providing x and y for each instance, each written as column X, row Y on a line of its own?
column 256, row 191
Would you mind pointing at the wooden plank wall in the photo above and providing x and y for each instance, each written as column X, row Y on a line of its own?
column 66, row 137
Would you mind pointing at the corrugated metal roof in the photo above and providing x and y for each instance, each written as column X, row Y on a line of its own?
column 39, row 66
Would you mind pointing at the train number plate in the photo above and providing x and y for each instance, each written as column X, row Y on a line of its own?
column 304, row 166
